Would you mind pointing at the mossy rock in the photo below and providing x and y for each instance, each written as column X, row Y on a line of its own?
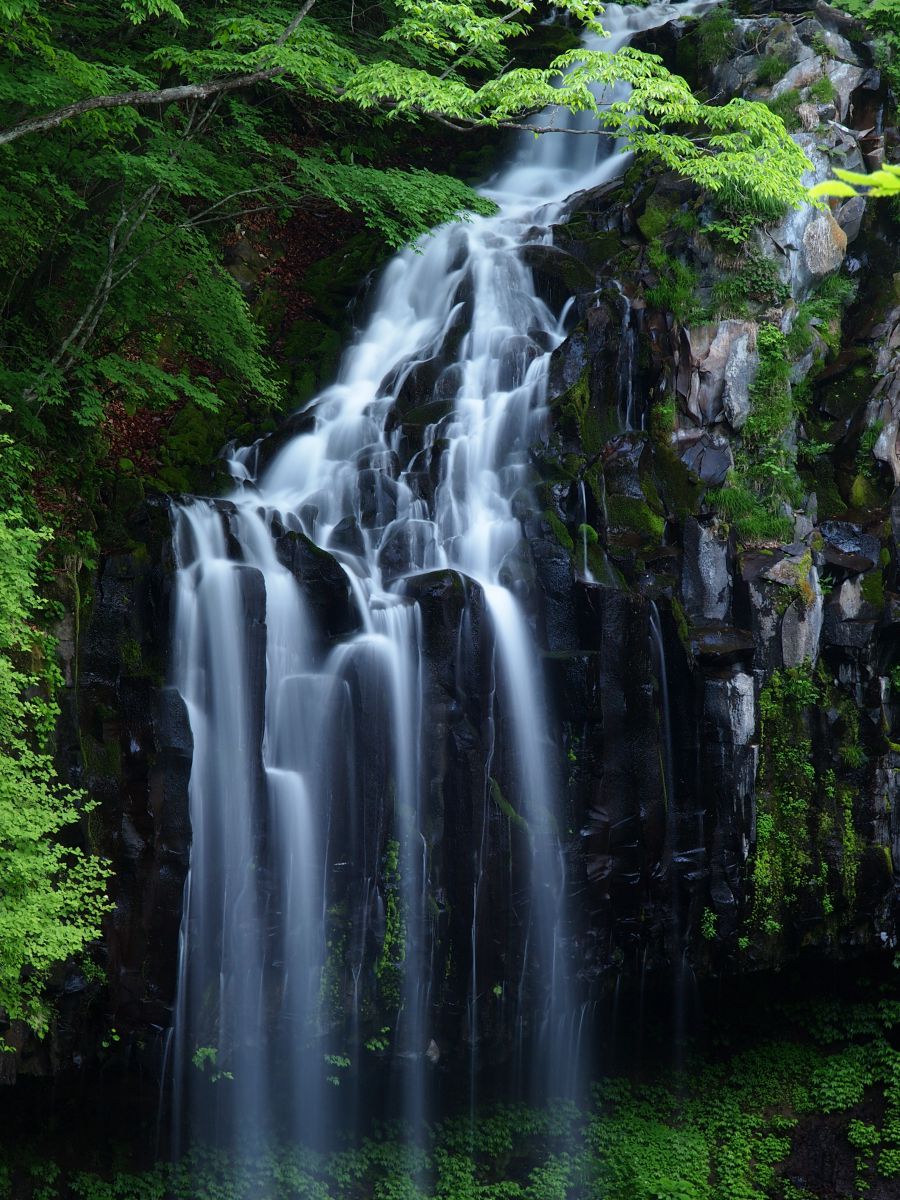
column 629, row 515
column 310, row 357
column 656, row 218
column 577, row 420
column 559, row 530
column 334, row 282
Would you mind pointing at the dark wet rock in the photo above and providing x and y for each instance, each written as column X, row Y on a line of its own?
column 557, row 275
column 709, row 457
column 323, row 580
column 347, row 536
column 403, row 543
column 377, row 498
column 848, row 547
column 722, row 643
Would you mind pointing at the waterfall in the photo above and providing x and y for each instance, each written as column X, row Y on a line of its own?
column 313, row 919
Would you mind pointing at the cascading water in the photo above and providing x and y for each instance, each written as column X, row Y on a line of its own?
column 314, row 913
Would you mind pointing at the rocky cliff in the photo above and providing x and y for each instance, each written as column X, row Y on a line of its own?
column 712, row 569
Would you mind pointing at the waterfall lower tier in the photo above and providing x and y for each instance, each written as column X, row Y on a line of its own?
column 378, row 774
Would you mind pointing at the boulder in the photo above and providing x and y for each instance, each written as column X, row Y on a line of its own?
column 705, row 578
column 824, row 246
column 724, row 361
column 731, row 705
column 708, row 456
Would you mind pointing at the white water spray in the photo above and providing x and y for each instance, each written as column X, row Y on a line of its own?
column 310, row 752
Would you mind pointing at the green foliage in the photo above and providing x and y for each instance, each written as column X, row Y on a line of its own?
column 755, row 520
column 782, row 864
column 676, row 289
column 755, row 278
column 721, row 1130
column 716, row 36
column 708, row 925
column 801, row 806
column 770, row 396
column 822, row 91
column 785, row 107
column 206, row 1060
column 771, row 69
column 883, row 182
column 51, row 894
column 389, row 964
column 822, row 313
column 764, row 479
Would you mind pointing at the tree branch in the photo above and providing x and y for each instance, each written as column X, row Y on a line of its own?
column 143, row 99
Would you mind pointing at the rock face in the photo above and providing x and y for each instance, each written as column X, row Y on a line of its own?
column 126, row 739
column 679, row 647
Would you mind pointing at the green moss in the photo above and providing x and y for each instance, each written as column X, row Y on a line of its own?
column 822, row 91
column 678, row 487
column 333, row 282
column 681, row 622
column 506, row 808
column 755, row 517
column 577, row 418
column 130, row 653
column 782, row 863
column 863, row 493
column 806, row 828
column 873, row 588
column 560, row 532
column 676, row 288
column 663, row 412
column 851, row 847
column 309, row 356
column 656, row 217
column 331, row 984
column 753, row 278
column 392, row 954
column 716, row 37
column 799, row 590
column 824, row 481
column 785, row 106
column 772, row 68
column 635, row 516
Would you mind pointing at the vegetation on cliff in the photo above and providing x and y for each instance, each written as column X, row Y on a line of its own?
column 744, row 1121
column 137, row 140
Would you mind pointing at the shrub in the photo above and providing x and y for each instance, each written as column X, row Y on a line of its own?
column 771, row 69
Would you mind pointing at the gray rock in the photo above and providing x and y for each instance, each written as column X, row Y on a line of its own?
column 824, row 246
column 730, row 706
column 809, row 116
column 847, row 599
column 788, row 235
column 849, row 216
column 740, row 371
column 709, row 456
column 705, row 578
column 803, row 527
column 801, row 627
column 724, row 361
column 845, row 79
column 800, row 76
column 840, row 47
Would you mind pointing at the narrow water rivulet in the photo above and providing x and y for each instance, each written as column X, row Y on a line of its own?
column 312, row 948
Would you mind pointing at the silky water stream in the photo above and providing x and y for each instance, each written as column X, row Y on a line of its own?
column 329, row 870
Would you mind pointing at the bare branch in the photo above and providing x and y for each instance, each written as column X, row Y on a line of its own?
column 143, row 99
